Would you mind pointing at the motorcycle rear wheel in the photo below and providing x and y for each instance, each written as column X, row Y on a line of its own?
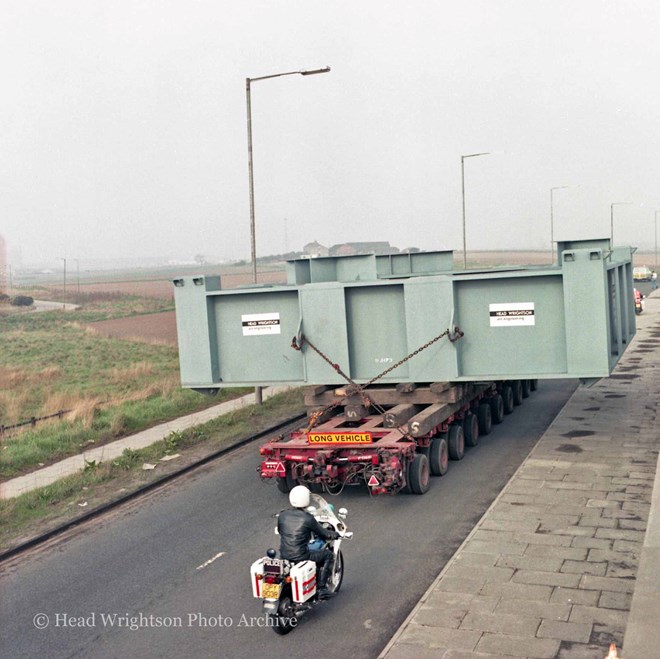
column 280, row 622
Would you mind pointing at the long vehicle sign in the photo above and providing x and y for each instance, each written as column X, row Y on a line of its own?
column 339, row 438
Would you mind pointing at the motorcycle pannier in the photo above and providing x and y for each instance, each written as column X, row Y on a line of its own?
column 303, row 581
column 256, row 574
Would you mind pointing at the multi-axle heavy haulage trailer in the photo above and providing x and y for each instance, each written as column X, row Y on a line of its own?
column 417, row 431
column 339, row 321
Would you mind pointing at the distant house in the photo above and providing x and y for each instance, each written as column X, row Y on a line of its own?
column 3, row 265
column 378, row 247
column 314, row 250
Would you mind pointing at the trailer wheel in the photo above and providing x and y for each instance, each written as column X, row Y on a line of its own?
column 517, row 392
column 456, row 442
column 439, row 455
column 533, row 385
column 471, row 430
column 485, row 418
column 497, row 408
column 507, row 399
column 285, row 483
column 526, row 388
column 315, row 488
column 419, row 475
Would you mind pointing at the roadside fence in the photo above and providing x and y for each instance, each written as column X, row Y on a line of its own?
column 33, row 421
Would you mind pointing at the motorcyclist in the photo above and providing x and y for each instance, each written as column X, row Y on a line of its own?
column 295, row 526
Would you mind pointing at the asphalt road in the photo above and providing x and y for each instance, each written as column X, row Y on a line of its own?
column 147, row 566
column 644, row 287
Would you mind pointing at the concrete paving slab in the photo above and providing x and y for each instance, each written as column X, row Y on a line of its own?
column 589, row 573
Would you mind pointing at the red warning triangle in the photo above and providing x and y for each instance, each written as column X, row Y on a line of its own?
column 373, row 481
column 279, row 467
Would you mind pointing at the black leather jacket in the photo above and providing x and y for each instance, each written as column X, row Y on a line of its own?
column 295, row 527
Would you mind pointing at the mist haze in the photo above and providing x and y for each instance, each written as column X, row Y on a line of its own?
column 123, row 125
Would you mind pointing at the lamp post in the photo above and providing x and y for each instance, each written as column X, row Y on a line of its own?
column 248, row 83
column 552, row 222
column 463, row 158
column 612, row 205
column 64, row 283
column 656, row 241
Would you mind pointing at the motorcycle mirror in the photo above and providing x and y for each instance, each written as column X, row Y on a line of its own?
column 343, row 512
column 311, row 509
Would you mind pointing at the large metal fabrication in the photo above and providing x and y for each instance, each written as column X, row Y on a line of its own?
column 365, row 313
column 428, row 358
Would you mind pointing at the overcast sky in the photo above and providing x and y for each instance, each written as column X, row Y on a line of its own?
column 123, row 124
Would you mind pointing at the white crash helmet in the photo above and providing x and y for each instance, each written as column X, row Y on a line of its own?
column 299, row 497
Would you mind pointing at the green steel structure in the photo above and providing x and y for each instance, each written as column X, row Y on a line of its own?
column 367, row 313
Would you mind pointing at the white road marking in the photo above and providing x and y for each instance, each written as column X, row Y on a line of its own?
column 203, row 565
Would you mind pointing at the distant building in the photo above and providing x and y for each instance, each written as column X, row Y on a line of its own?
column 348, row 249
column 314, row 250
column 3, row 266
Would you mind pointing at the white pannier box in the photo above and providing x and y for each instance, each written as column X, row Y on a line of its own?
column 303, row 581
column 256, row 575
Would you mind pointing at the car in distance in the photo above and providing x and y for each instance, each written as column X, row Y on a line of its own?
column 642, row 273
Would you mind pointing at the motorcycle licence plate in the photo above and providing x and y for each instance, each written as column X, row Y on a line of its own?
column 271, row 590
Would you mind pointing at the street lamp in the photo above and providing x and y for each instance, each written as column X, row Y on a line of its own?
column 612, row 205
column 656, row 241
column 552, row 222
column 64, row 287
column 470, row 155
column 248, row 82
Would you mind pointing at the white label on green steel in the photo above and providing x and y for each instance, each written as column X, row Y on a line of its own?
column 508, row 314
column 255, row 324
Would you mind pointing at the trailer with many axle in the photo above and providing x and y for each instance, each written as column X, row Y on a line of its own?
column 407, row 359
column 416, row 433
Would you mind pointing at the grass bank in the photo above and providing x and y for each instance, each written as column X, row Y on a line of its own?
column 39, row 511
column 111, row 388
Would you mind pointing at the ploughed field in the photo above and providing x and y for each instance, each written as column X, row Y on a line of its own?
column 152, row 327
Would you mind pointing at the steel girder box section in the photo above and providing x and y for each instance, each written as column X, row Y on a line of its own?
column 571, row 320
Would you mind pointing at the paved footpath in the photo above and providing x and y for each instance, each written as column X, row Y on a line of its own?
column 567, row 559
column 42, row 477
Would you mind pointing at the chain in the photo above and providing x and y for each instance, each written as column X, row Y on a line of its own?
column 446, row 333
column 360, row 389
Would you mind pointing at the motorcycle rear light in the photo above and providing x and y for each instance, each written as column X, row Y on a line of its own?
column 270, row 579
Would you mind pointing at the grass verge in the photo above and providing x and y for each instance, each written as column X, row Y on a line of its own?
column 41, row 510
column 52, row 361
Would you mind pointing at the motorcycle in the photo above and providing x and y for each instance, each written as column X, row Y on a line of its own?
column 288, row 589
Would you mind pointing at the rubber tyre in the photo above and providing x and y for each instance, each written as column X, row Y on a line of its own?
column 419, row 474
column 285, row 483
column 439, row 455
column 507, row 399
column 533, row 385
column 517, row 388
column 485, row 418
column 471, row 430
column 456, row 442
column 526, row 388
column 497, row 408
column 337, row 576
column 280, row 622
